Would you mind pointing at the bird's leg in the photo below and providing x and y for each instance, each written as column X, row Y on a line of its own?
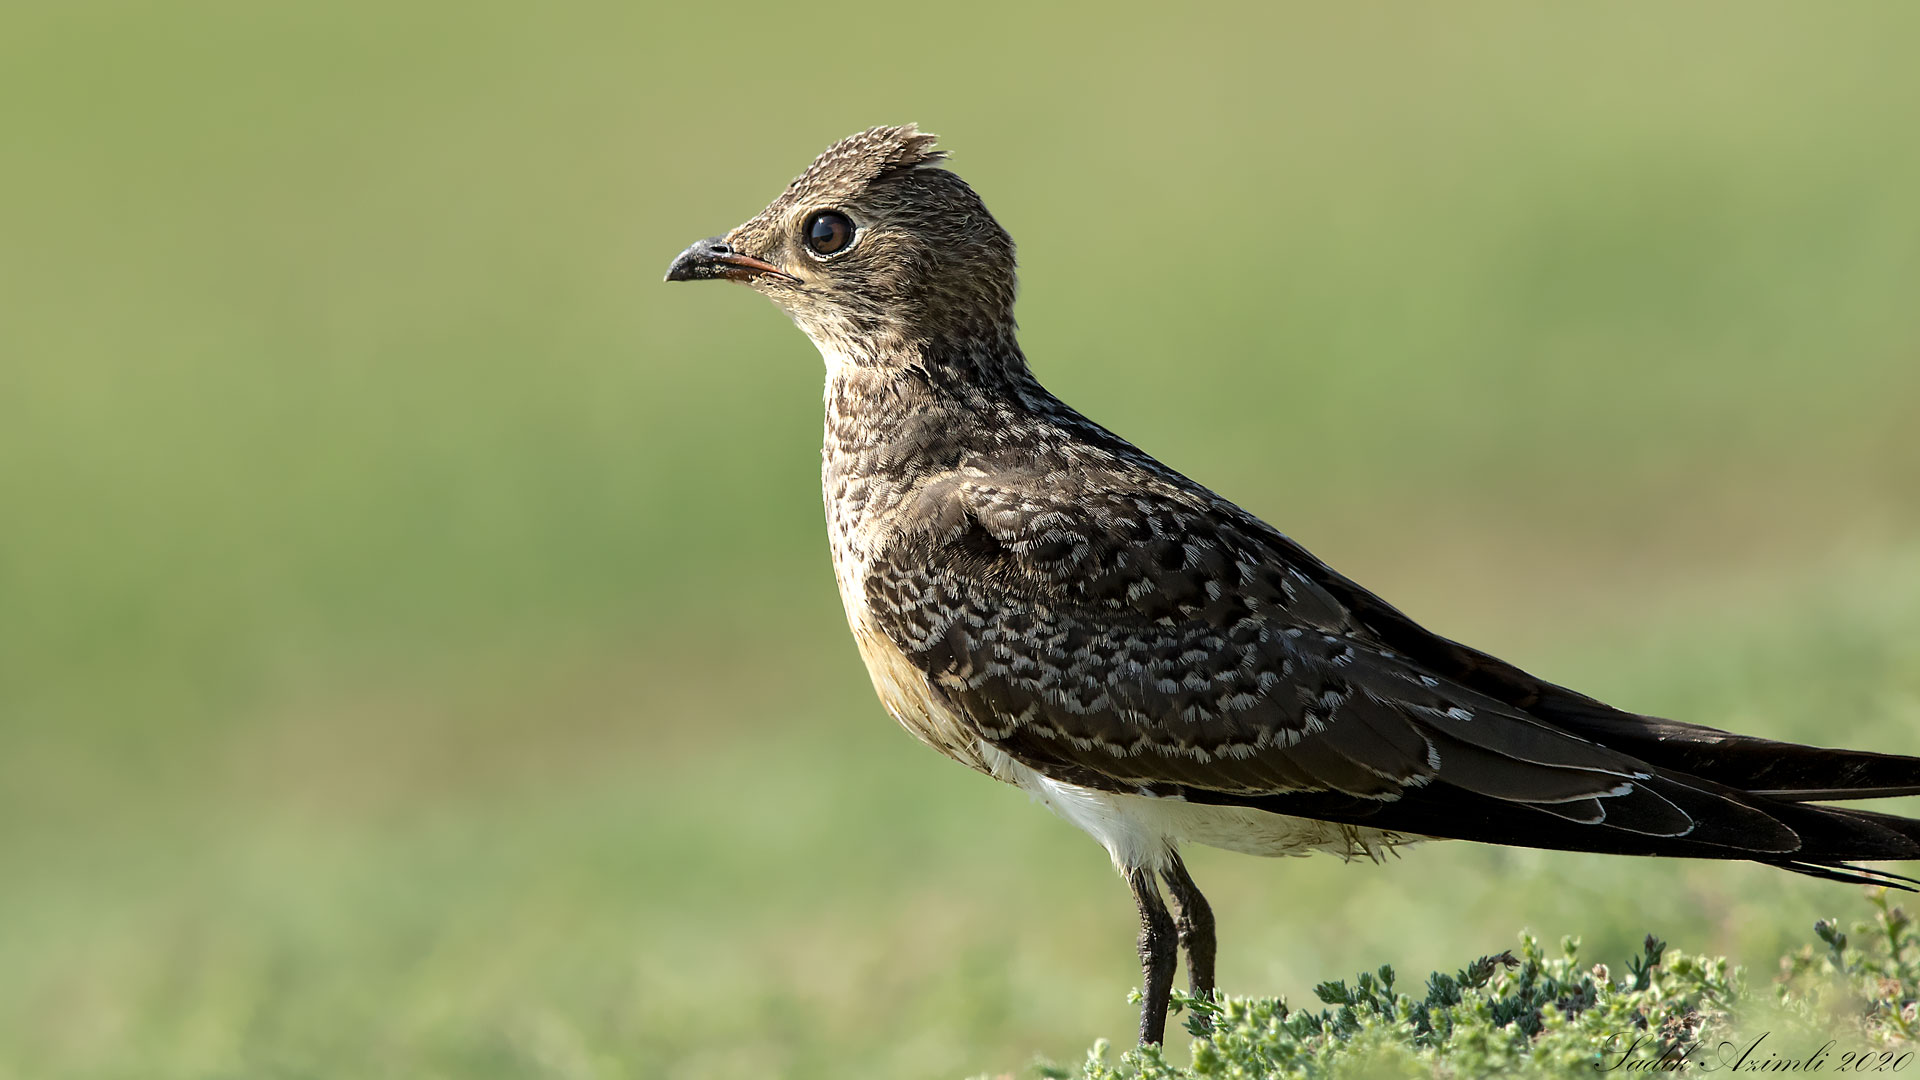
column 1158, row 943
column 1193, row 919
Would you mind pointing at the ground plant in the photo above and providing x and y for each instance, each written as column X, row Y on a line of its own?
column 1845, row 1005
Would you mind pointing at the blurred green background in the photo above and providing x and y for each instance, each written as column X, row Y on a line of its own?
column 418, row 651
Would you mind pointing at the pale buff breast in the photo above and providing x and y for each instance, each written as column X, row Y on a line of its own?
column 903, row 689
column 901, row 686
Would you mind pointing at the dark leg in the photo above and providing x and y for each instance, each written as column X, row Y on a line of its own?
column 1158, row 945
column 1193, row 919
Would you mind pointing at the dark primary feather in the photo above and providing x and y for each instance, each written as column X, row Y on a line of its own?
column 1111, row 623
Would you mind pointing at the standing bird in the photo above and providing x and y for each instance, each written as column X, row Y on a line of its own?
column 1041, row 600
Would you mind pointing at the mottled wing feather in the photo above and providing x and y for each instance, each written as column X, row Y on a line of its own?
column 1136, row 640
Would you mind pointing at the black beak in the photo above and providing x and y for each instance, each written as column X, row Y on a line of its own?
column 715, row 258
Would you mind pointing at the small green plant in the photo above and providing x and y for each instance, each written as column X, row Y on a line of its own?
column 1848, row 1006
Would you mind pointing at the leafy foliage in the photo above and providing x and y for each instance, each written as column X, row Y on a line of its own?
column 1848, row 1006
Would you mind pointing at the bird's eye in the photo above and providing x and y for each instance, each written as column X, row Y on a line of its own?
column 828, row 232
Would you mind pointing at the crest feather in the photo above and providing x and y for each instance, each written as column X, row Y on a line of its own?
column 871, row 154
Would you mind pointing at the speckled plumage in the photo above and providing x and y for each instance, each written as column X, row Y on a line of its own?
column 1046, row 603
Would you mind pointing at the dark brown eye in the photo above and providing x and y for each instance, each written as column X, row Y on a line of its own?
column 828, row 231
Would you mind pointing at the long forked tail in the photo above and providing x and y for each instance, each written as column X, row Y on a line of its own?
column 1699, row 793
column 1772, row 773
column 1834, row 839
column 1709, row 793
column 1786, row 771
column 1764, row 785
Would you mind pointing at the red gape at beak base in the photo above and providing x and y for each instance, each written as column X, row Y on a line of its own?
column 713, row 258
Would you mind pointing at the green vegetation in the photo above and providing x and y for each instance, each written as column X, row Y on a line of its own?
column 1847, row 1009
column 418, row 655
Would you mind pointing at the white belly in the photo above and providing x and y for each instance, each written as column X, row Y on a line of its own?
column 1143, row 830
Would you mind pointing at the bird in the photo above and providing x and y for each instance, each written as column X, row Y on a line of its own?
column 1046, row 603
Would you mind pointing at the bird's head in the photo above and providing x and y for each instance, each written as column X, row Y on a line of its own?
column 873, row 250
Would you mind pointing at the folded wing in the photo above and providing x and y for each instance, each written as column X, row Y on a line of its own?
column 1147, row 640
